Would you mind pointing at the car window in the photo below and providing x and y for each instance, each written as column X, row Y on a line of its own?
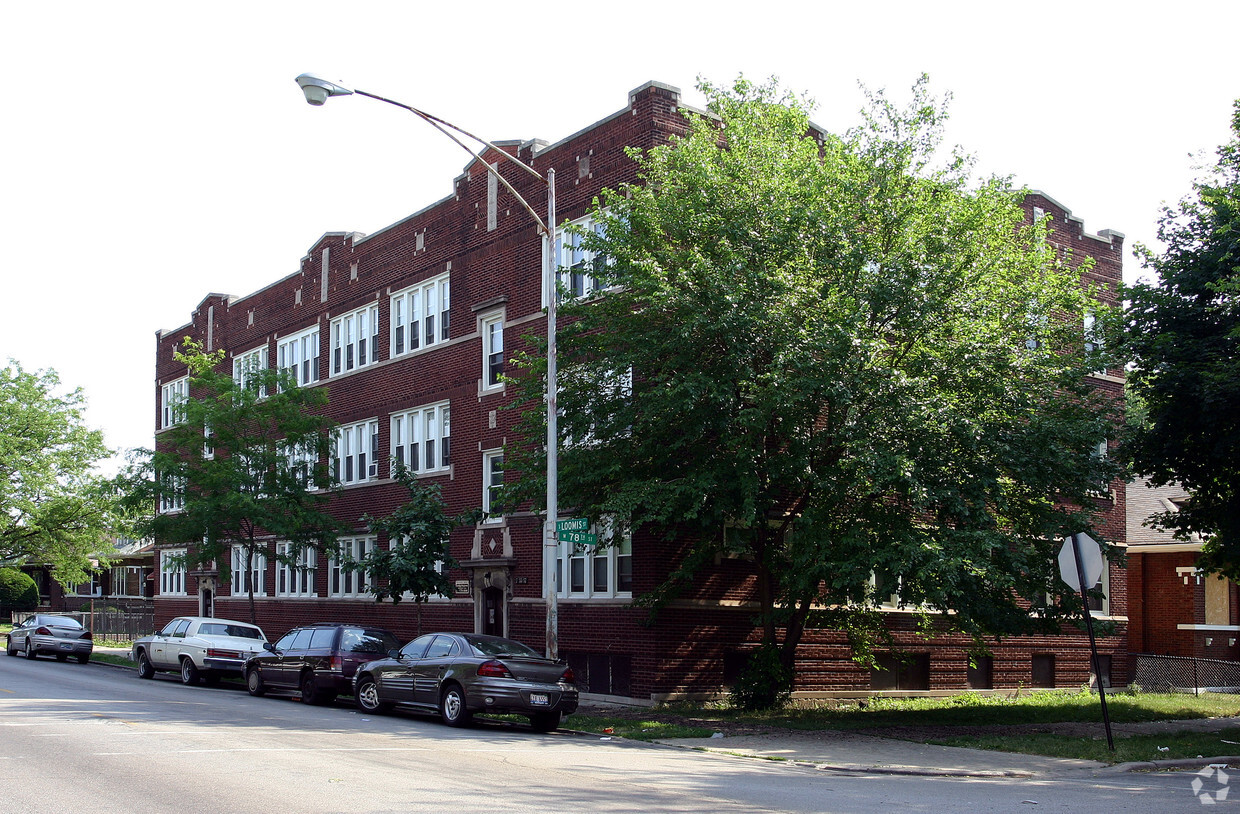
column 488, row 646
column 286, row 641
column 441, row 647
column 168, row 628
column 370, row 640
column 64, row 622
column 180, row 629
column 302, row 640
column 417, row 647
column 322, row 638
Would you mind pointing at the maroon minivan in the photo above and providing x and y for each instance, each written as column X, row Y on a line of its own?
column 317, row 660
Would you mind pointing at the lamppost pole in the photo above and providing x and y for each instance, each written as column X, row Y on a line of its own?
column 317, row 91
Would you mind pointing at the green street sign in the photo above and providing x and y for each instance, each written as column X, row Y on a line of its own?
column 580, row 538
column 573, row 524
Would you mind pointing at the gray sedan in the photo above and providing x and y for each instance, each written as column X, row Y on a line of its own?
column 460, row 674
column 59, row 636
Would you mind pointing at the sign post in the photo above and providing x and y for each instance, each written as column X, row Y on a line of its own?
column 1080, row 565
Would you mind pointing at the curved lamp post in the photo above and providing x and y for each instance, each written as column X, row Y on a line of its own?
column 318, row 91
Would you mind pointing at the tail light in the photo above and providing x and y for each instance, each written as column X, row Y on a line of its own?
column 336, row 663
column 43, row 632
column 568, row 677
column 223, row 654
column 493, row 669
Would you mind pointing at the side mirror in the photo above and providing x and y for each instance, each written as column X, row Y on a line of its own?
column 269, row 647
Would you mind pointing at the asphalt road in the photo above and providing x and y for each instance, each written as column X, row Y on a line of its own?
column 95, row 738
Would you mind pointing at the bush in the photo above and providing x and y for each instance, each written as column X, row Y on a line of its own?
column 764, row 682
column 17, row 591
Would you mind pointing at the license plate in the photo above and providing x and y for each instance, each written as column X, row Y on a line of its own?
column 66, row 646
column 539, row 699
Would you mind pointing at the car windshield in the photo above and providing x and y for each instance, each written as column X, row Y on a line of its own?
column 62, row 621
column 369, row 640
column 495, row 646
column 220, row 629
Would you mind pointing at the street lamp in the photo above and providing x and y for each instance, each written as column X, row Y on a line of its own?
column 318, row 91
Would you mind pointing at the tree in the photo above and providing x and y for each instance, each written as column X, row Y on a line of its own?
column 245, row 464
column 1182, row 338
column 836, row 359
column 18, row 591
column 54, row 508
column 416, row 560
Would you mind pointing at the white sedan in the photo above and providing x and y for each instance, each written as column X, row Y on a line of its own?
column 200, row 648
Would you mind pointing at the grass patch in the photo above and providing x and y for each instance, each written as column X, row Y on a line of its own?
column 638, row 729
column 1132, row 748
column 109, row 658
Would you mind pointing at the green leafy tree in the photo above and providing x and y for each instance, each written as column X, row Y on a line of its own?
column 54, row 508
column 246, row 463
column 833, row 357
column 18, row 591
column 1182, row 337
column 417, row 560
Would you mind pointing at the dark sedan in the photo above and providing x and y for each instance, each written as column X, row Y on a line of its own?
column 460, row 674
column 59, row 636
column 317, row 660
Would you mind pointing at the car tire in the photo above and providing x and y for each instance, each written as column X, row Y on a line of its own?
column 83, row 658
column 145, row 670
column 367, row 696
column 545, row 721
column 31, row 652
column 9, row 649
column 61, row 657
column 254, row 683
column 189, row 673
column 211, row 678
column 452, row 706
column 310, row 692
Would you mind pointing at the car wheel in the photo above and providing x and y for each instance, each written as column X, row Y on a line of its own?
column 310, row 693
column 452, row 707
column 211, row 679
column 31, row 652
column 9, row 649
column 83, row 658
column 189, row 672
column 545, row 721
column 145, row 670
column 254, row 683
column 367, row 696
column 61, row 657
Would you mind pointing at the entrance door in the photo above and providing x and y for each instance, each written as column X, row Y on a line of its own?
column 493, row 611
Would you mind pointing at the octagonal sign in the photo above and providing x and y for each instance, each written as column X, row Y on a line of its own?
column 1091, row 562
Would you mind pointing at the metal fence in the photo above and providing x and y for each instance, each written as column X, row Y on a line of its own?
column 106, row 623
column 1185, row 674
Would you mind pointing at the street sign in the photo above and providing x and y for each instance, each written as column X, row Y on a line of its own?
column 579, row 538
column 1091, row 562
column 573, row 524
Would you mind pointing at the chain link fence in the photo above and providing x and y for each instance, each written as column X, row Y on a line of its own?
column 1186, row 675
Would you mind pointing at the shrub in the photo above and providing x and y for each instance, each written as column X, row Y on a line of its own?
column 764, row 682
column 17, row 591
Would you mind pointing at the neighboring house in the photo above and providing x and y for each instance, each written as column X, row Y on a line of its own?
column 126, row 583
column 1176, row 609
column 409, row 326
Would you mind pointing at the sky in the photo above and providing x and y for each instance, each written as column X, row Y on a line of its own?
column 155, row 152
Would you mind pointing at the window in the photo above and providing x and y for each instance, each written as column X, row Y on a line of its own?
column 492, row 482
column 1100, row 605
column 172, row 400
column 602, row 399
column 492, row 352
column 421, row 438
column 603, row 571
column 171, row 494
column 295, row 571
column 127, row 580
column 298, row 356
column 353, row 339
column 1100, row 455
column 344, row 581
column 243, row 578
column 579, row 267
column 172, row 572
column 420, row 315
column 89, row 588
column 1093, row 339
column 356, row 452
column 397, row 543
column 246, row 369
column 301, row 460
column 900, row 671
column 886, row 590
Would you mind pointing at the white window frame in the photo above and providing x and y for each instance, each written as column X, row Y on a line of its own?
column 172, row 576
column 173, row 396
column 606, row 561
column 354, row 340
column 491, row 328
column 355, row 449
column 492, row 479
column 245, row 365
column 257, row 575
column 420, row 316
column 575, row 265
column 412, row 432
column 301, row 458
column 298, row 355
column 297, row 579
column 348, row 584
column 172, row 494
column 120, row 579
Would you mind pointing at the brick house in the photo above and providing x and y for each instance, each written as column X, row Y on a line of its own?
column 402, row 325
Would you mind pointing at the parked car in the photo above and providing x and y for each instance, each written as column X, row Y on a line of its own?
column 59, row 636
column 317, row 660
column 460, row 674
column 200, row 648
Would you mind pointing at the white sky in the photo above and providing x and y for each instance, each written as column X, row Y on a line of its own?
column 157, row 151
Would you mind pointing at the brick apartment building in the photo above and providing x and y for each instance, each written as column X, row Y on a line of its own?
column 401, row 325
